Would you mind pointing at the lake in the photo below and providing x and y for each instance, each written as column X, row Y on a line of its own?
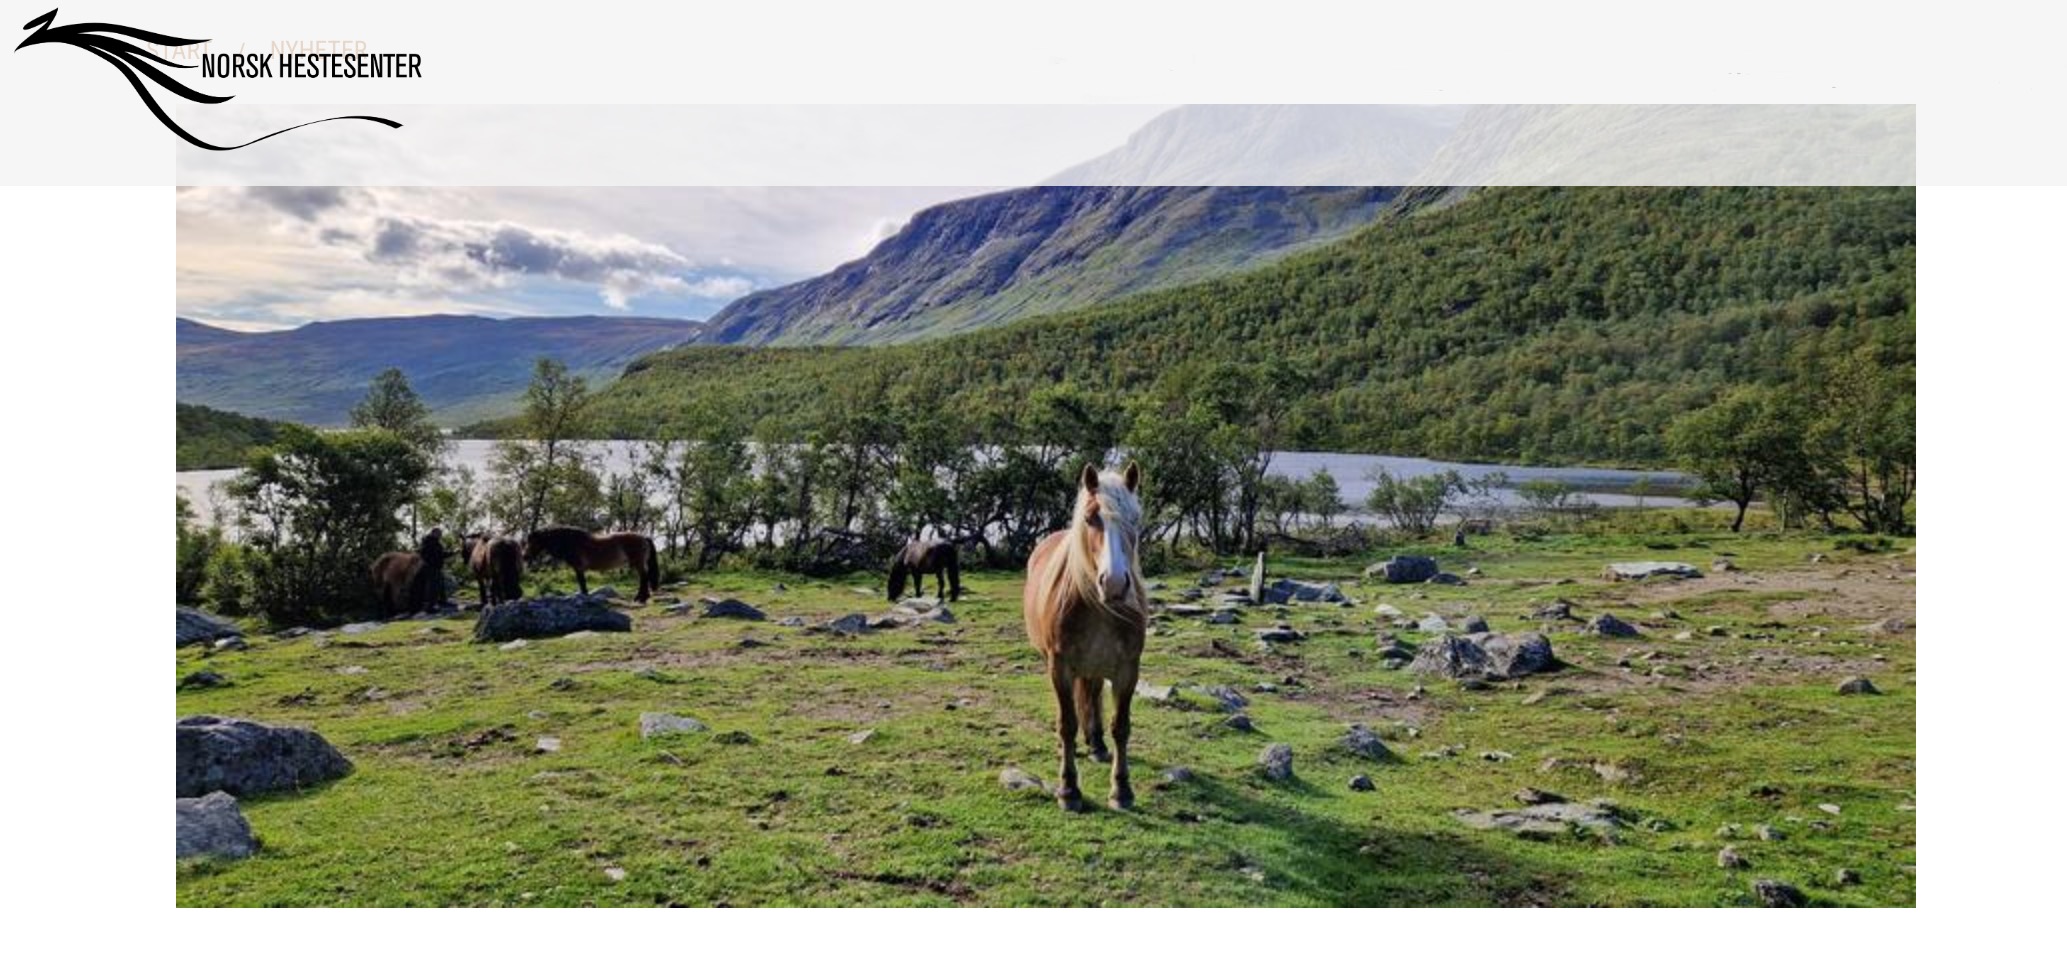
column 1353, row 473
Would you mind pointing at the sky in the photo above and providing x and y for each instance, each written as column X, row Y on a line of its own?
column 256, row 258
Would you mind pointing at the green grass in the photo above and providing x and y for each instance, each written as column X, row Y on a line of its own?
column 915, row 815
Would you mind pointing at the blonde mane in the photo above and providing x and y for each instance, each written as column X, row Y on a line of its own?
column 1071, row 578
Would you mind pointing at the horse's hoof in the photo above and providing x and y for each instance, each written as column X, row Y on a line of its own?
column 1071, row 802
column 1101, row 755
column 1123, row 801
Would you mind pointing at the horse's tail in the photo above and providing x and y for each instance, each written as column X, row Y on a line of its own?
column 897, row 569
column 954, row 573
column 652, row 564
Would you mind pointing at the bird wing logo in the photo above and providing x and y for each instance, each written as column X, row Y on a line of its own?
column 106, row 41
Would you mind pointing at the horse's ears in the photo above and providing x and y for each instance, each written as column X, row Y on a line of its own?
column 1090, row 477
column 1132, row 476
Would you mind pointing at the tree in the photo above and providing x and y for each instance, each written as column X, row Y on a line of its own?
column 543, row 473
column 391, row 405
column 1414, row 504
column 1740, row 446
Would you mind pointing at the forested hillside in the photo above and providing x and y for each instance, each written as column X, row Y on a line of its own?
column 210, row 438
column 1539, row 325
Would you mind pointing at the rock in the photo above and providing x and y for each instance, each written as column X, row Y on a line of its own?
column 1153, row 693
column 1849, row 876
column 1530, row 795
column 1638, row 571
column 1729, row 858
column 1240, row 722
column 212, row 825
column 1256, row 580
column 715, row 608
column 1767, row 832
column 1545, row 820
column 1606, row 624
column 1362, row 782
column 1276, row 761
column 1224, row 617
column 860, row 737
column 653, row 725
column 1476, row 624
column 1857, row 686
column 548, row 745
column 1402, row 569
column 543, row 617
column 1722, row 565
column 1388, row 611
column 1293, row 590
column 203, row 680
column 738, row 738
column 1178, row 775
column 196, row 626
column 359, row 628
column 1362, row 741
column 792, row 622
column 1231, row 699
column 1446, row 578
column 606, row 592
column 1486, row 654
column 1891, row 626
column 1777, row 894
column 1557, row 610
column 1279, row 634
column 1015, row 779
column 1185, row 610
column 1432, row 623
column 1395, row 655
column 851, row 624
column 244, row 757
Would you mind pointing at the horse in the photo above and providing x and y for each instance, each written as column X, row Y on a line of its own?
column 583, row 550
column 921, row 558
column 412, row 582
column 1087, row 614
column 498, row 567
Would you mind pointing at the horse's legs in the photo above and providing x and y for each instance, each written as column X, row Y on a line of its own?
column 581, row 579
column 1090, row 691
column 1122, row 727
column 1067, row 794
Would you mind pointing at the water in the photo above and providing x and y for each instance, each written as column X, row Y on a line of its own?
column 1353, row 474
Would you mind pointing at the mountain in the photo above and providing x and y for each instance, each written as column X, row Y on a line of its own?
column 210, row 438
column 1510, row 324
column 464, row 367
column 977, row 262
column 1275, row 144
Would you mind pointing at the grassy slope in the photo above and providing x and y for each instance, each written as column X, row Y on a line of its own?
column 210, row 438
column 914, row 815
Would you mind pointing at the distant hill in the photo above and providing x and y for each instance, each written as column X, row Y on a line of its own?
column 1275, row 144
column 210, row 438
column 977, row 262
column 1520, row 325
column 464, row 367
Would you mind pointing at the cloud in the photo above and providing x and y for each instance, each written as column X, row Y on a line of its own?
column 492, row 254
column 305, row 202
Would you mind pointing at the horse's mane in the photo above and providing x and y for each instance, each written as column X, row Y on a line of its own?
column 1071, row 577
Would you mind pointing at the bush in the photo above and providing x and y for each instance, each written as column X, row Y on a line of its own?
column 1414, row 504
column 227, row 586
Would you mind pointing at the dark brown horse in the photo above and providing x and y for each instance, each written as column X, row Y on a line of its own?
column 1087, row 613
column 921, row 558
column 498, row 567
column 412, row 582
column 583, row 550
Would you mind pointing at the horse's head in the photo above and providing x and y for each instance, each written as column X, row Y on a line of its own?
column 534, row 546
column 432, row 547
column 1108, row 516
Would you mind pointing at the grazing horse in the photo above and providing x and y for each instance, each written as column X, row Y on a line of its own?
column 921, row 558
column 412, row 582
column 583, row 550
column 498, row 567
column 1087, row 613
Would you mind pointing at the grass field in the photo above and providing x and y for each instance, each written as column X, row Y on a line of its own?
column 864, row 770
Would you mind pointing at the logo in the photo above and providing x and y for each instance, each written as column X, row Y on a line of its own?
column 106, row 41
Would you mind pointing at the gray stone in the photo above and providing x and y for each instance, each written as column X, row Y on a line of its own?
column 196, row 626
column 359, row 628
column 1849, row 876
column 1858, row 686
column 1276, row 761
column 1777, row 894
column 653, row 725
column 1293, row 590
column 1153, row 693
column 1545, row 820
column 548, row 745
column 212, row 825
column 544, row 617
column 203, row 680
column 1447, row 578
column 1231, row 699
column 1433, row 623
column 715, row 608
column 1279, row 634
column 1362, row 782
column 1729, row 858
column 1606, row 624
column 243, row 757
column 1362, row 741
column 1486, row 654
column 1556, row 610
column 1404, row 568
column 1388, row 611
column 1476, row 624
column 1638, row 571
column 1240, row 722
column 1015, row 779
column 851, row 624
column 1224, row 617
column 1531, row 795
column 1891, row 626
column 1178, row 775
column 1256, row 580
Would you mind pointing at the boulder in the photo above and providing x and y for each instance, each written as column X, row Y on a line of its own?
column 1362, row 782
column 1476, row 624
column 851, row 624
column 1606, row 624
column 1276, row 761
column 1496, row 655
column 543, row 617
column 212, row 825
column 1638, row 571
column 196, row 626
column 244, row 757
column 1858, row 686
column 653, row 725
column 1293, row 590
column 1404, row 568
column 1777, row 894
column 1446, row 578
column 1362, row 741
column 1433, row 623
column 715, row 608
column 1556, row 610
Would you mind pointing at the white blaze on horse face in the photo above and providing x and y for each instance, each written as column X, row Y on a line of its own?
column 1113, row 567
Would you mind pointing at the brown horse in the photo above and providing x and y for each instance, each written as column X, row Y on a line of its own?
column 583, row 550
column 498, row 567
column 412, row 582
column 1087, row 613
column 921, row 558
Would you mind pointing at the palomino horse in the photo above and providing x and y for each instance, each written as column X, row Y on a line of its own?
column 498, row 567
column 583, row 550
column 1087, row 613
column 411, row 582
column 921, row 558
